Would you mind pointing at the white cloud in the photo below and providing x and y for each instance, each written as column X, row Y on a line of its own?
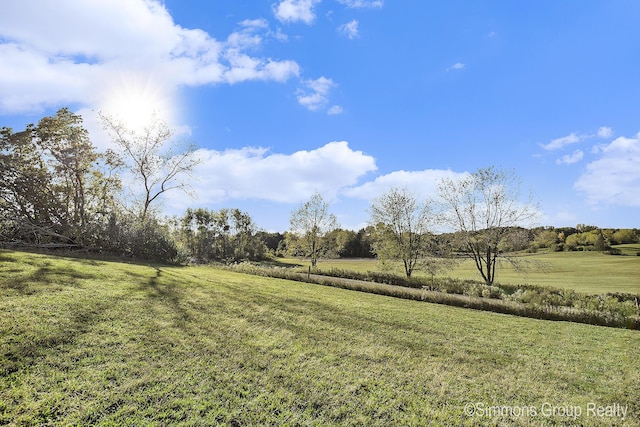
column 424, row 183
column 605, row 132
column 615, row 177
column 255, row 23
column 559, row 215
column 295, row 10
column 316, row 95
column 350, row 29
column 558, row 143
column 81, row 52
column 279, row 35
column 334, row 110
column 570, row 158
column 362, row 3
column 456, row 66
column 254, row 173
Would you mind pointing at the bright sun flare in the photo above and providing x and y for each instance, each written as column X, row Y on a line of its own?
column 135, row 101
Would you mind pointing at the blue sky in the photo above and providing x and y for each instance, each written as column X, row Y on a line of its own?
column 350, row 97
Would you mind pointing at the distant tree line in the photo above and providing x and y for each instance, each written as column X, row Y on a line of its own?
column 225, row 235
column 491, row 223
column 582, row 238
column 58, row 191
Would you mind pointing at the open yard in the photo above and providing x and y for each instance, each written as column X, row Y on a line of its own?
column 590, row 272
column 87, row 342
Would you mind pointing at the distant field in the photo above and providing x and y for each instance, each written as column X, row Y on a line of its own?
column 590, row 272
column 105, row 343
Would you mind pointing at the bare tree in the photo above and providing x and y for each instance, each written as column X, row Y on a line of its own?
column 311, row 222
column 153, row 157
column 402, row 228
column 486, row 211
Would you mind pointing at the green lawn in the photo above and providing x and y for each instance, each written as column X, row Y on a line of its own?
column 632, row 249
column 590, row 272
column 105, row 343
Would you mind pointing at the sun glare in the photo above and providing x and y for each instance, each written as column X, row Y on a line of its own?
column 136, row 101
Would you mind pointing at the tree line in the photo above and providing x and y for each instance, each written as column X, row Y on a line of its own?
column 58, row 191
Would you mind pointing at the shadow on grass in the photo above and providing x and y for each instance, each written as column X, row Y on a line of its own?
column 277, row 263
column 21, row 349
column 47, row 276
column 166, row 290
column 4, row 257
column 84, row 257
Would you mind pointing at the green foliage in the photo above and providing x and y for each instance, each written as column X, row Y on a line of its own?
column 226, row 235
column 54, row 187
column 272, row 241
column 351, row 244
column 545, row 238
column 311, row 224
column 402, row 229
column 148, row 239
column 624, row 236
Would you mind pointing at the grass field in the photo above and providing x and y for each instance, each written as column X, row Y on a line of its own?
column 104, row 343
column 590, row 272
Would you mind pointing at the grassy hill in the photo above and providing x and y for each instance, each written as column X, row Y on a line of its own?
column 93, row 342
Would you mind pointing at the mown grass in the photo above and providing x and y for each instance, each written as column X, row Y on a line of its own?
column 105, row 343
column 589, row 272
column 632, row 249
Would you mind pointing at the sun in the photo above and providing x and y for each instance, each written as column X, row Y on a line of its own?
column 137, row 100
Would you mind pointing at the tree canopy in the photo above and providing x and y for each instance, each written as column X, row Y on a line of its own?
column 310, row 224
column 402, row 228
column 486, row 211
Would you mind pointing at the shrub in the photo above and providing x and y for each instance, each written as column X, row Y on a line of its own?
column 613, row 251
column 474, row 290
column 492, row 292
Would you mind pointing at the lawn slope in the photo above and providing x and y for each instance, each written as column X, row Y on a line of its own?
column 91, row 342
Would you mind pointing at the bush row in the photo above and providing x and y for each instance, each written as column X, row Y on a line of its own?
column 614, row 310
column 523, row 293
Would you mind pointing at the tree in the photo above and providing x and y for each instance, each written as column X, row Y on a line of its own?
column 600, row 243
column 485, row 209
column 402, row 228
column 72, row 158
column 152, row 157
column 53, row 187
column 574, row 241
column 310, row 224
column 26, row 201
column 545, row 238
column 350, row 244
column 224, row 235
column 624, row 235
column 246, row 243
column 272, row 241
